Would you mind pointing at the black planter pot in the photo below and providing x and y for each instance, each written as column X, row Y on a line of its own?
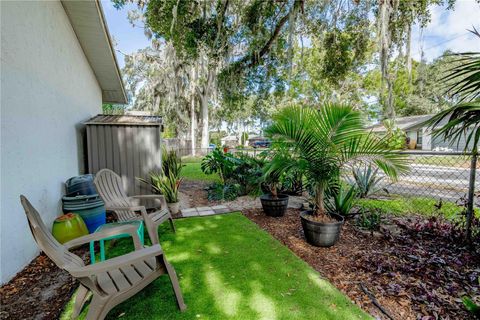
column 321, row 234
column 274, row 207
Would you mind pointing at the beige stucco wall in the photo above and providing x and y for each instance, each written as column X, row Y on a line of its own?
column 47, row 89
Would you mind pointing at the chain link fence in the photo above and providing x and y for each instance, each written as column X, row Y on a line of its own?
column 434, row 179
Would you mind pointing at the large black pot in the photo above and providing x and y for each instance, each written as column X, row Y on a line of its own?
column 321, row 234
column 274, row 207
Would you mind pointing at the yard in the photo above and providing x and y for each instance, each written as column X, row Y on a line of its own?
column 248, row 160
column 231, row 269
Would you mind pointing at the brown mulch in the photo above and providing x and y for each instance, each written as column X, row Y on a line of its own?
column 196, row 193
column 412, row 273
column 39, row 291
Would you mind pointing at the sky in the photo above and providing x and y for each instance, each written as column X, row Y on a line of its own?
column 446, row 31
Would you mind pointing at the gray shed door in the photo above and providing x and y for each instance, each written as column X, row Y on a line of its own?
column 130, row 151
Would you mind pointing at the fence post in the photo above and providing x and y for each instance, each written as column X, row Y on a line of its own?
column 471, row 191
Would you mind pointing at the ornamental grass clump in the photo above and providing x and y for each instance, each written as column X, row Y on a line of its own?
column 167, row 181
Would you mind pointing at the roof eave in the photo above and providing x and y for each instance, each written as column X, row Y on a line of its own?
column 88, row 22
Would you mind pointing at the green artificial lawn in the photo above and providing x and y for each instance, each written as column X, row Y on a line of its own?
column 421, row 206
column 231, row 269
column 193, row 171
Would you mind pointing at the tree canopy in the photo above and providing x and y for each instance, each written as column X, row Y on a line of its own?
column 221, row 60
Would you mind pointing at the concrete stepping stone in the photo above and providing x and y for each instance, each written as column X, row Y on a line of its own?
column 206, row 212
column 191, row 212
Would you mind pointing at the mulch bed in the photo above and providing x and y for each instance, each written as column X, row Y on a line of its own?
column 39, row 291
column 196, row 193
column 413, row 273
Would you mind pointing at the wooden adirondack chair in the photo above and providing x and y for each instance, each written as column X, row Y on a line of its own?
column 110, row 282
column 109, row 186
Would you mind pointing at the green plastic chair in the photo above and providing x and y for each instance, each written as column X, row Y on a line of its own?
column 139, row 225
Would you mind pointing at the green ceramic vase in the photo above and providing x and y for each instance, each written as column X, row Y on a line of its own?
column 69, row 226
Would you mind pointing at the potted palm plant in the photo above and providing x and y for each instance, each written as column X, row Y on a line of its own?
column 274, row 204
column 326, row 140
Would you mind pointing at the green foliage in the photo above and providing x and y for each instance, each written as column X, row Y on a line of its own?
column 420, row 91
column 247, row 174
column 344, row 50
column 219, row 191
column 472, row 307
column 273, row 170
column 216, row 136
column 463, row 121
column 463, row 118
column 370, row 219
column 108, row 108
column 171, row 163
column 239, row 175
column 342, row 201
column 219, row 162
column 326, row 140
column 395, row 137
column 165, row 184
column 406, row 206
column 365, row 180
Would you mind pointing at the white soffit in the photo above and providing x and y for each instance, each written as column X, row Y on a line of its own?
column 88, row 22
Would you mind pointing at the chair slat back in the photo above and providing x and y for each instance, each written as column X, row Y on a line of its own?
column 110, row 189
column 45, row 240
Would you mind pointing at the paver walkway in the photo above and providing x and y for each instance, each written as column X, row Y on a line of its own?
column 205, row 211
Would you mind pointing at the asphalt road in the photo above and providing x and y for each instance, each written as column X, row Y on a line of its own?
column 447, row 183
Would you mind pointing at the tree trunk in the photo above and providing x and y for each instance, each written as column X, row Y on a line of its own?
column 204, row 142
column 193, row 126
column 409, row 52
column 390, row 108
column 320, row 198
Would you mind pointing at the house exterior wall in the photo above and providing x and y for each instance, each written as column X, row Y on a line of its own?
column 442, row 144
column 47, row 89
column 427, row 139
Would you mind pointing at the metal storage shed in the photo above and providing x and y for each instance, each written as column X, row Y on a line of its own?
column 128, row 145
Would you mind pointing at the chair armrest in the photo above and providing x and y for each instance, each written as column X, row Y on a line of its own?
column 102, row 234
column 161, row 197
column 117, row 262
column 129, row 208
column 149, row 196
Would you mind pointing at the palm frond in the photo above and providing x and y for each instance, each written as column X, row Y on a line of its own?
column 463, row 120
column 465, row 75
column 327, row 139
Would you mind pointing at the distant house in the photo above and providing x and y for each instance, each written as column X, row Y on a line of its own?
column 58, row 67
column 420, row 136
column 230, row 141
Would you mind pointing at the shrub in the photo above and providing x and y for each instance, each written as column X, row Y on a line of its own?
column 366, row 180
column 219, row 191
column 167, row 185
column 167, row 182
column 341, row 201
column 247, row 173
column 219, row 162
column 370, row 219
